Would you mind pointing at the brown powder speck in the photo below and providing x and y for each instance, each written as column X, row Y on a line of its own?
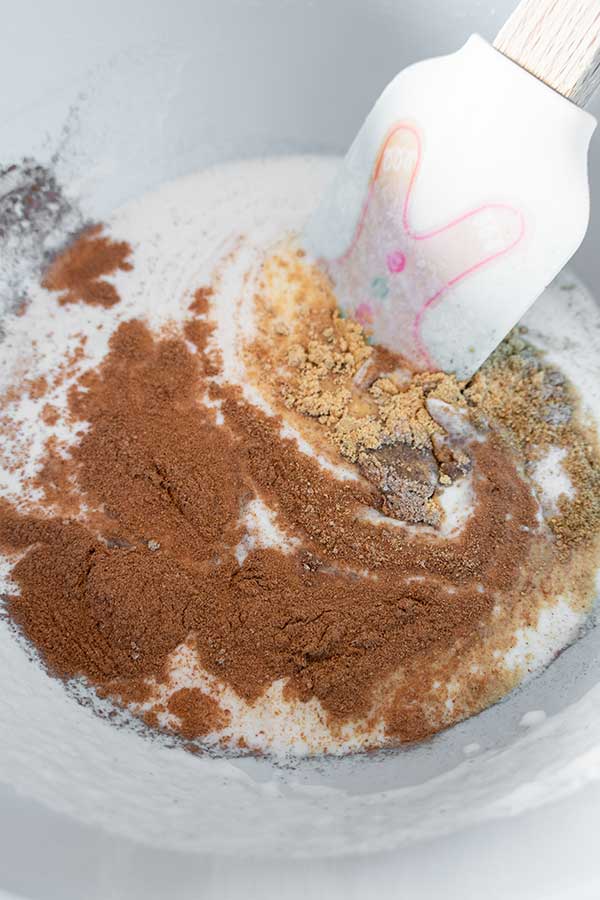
column 38, row 387
column 151, row 719
column 365, row 400
column 198, row 332
column 200, row 303
column 78, row 273
column 55, row 477
column 50, row 414
column 198, row 713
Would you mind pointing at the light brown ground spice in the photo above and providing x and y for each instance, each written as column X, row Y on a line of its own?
column 370, row 407
column 533, row 405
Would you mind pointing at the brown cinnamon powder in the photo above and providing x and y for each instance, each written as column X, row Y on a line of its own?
column 200, row 303
column 154, row 466
column 372, row 409
column 364, row 616
column 79, row 273
column 198, row 713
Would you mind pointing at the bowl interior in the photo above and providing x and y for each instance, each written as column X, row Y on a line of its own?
column 115, row 101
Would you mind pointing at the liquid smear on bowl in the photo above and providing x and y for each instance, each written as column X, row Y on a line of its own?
column 227, row 511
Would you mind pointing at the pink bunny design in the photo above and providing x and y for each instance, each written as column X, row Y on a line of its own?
column 392, row 276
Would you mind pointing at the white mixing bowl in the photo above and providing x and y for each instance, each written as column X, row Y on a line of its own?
column 119, row 96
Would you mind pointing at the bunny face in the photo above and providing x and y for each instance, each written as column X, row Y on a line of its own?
column 391, row 276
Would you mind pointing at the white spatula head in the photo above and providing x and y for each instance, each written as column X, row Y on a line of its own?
column 463, row 195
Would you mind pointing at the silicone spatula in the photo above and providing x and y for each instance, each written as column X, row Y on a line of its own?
column 466, row 190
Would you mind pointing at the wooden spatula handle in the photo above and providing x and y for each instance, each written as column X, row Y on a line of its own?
column 558, row 41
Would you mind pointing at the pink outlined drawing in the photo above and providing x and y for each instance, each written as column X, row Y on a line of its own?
column 392, row 275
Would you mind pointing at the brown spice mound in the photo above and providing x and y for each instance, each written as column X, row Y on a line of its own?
column 111, row 599
column 198, row 713
column 378, row 414
column 78, row 273
column 373, row 410
column 153, row 460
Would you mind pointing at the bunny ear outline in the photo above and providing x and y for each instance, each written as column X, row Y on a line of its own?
column 458, row 248
column 398, row 160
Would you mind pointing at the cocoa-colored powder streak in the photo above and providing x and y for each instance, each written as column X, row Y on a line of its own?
column 155, row 562
column 79, row 273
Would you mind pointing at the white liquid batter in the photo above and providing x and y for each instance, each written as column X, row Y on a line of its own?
column 180, row 234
